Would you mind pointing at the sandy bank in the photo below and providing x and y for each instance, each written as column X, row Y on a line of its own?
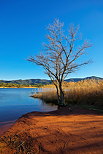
column 57, row 132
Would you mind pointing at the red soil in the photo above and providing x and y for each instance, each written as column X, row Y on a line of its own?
column 4, row 126
column 58, row 132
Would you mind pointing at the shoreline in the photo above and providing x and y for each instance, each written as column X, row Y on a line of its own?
column 60, row 131
column 5, row 126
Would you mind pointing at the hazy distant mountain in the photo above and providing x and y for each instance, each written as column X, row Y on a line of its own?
column 44, row 81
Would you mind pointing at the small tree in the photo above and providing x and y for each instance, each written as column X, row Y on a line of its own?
column 61, row 55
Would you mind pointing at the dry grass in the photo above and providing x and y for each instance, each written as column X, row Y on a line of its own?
column 83, row 92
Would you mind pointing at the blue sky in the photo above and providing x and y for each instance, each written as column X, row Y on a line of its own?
column 23, row 29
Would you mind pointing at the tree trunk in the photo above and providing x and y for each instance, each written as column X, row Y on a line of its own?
column 60, row 95
column 62, row 99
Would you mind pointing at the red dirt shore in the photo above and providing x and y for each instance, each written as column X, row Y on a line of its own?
column 57, row 132
column 4, row 126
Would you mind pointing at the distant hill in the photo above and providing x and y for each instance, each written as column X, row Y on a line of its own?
column 28, row 81
column 44, row 81
column 79, row 79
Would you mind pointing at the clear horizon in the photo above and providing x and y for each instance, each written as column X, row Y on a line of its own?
column 23, row 30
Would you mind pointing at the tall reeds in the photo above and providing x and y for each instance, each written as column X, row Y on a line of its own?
column 83, row 92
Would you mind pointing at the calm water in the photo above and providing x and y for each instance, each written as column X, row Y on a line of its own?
column 16, row 102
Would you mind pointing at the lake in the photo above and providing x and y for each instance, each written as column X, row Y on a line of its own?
column 14, row 102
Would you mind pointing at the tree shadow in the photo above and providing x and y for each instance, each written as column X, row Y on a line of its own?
column 63, row 112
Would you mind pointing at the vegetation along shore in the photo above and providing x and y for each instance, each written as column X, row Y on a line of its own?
column 86, row 93
column 76, row 128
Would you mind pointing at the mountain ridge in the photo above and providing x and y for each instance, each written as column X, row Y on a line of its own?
column 45, row 81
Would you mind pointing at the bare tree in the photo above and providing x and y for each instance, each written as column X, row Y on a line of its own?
column 61, row 55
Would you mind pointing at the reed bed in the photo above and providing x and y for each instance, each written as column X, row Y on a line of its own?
column 88, row 92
